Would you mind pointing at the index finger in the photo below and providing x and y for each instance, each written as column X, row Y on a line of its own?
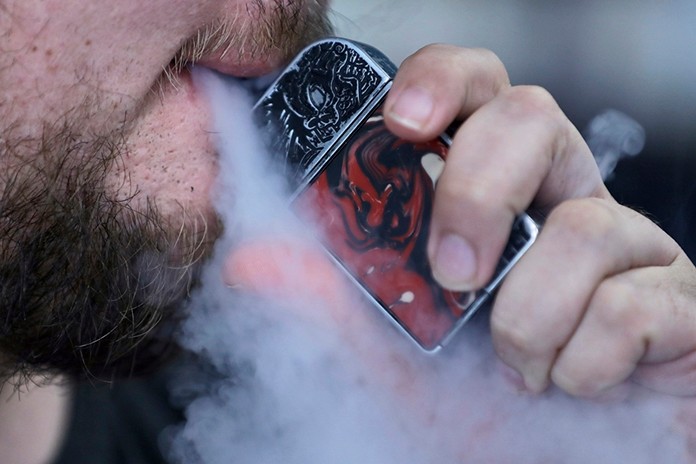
column 517, row 150
column 438, row 84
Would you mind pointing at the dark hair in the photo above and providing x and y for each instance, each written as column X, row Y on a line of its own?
column 86, row 282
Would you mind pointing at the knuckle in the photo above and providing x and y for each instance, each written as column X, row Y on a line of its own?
column 448, row 50
column 481, row 56
column 573, row 382
column 487, row 73
column 532, row 101
column 429, row 52
column 617, row 306
column 587, row 222
column 512, row 336
column 490, row 56
column 466, row 58
column 476, row 193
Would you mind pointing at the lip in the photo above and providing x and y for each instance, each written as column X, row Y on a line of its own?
column 242, row 66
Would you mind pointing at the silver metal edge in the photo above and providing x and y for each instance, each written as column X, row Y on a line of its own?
column 326, row 155
column 330, row 151
column 385, row 312
column 293, row 64
column 533, row 229
column 487, row 292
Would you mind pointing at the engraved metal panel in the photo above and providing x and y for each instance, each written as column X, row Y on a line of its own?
column 316, row 99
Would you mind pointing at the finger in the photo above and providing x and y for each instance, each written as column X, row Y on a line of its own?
column 439, row 84
column 641, row 321
column 517, row 148
column 677, row 377
column 544, row 298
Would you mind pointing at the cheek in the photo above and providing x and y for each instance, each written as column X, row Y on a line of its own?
column 170, row 159
column 102, row 57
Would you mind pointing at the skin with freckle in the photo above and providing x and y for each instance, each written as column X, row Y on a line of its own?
column 106, row 167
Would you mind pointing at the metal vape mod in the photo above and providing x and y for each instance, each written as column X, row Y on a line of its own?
column 373, row 191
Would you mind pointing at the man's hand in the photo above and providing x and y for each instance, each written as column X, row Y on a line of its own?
column 604, row 295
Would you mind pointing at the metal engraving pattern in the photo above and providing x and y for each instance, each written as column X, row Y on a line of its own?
column 319, row 119
column 380, row 58
column 315, row 100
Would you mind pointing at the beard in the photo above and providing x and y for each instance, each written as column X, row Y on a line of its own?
column 87, row 281
column 93, row 281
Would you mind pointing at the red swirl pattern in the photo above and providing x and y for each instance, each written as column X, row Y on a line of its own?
column 373, row 202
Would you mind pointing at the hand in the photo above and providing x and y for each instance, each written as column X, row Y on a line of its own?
column 604, row 295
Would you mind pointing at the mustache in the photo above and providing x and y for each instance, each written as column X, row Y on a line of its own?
column 278, row 27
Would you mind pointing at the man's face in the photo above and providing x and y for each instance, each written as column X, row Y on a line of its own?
column 106, row 163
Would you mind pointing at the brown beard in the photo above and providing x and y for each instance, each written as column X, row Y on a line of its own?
column 90, row 287
column 86, row 280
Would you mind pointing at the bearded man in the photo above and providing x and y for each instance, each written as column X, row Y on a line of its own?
column 105, row 214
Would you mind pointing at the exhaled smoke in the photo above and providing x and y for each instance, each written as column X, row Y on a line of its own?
column 306, row 372
column 611, row 136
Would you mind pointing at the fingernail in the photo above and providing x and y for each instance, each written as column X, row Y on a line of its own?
column 413, row 107
column 455, row 263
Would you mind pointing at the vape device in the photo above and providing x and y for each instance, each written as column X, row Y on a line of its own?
column 370, row 192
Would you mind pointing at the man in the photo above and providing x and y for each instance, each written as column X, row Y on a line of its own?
column 105, row 213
